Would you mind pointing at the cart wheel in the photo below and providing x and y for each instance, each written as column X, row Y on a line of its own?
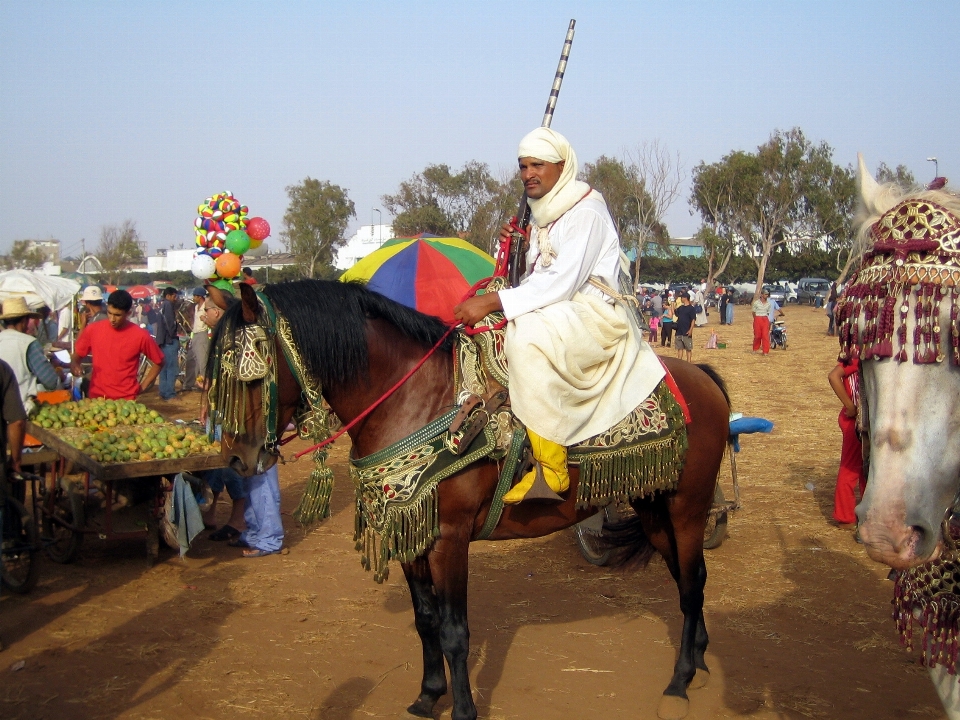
column 590, row 546
column 61, row 544
column 21, row 561
column 716, row 528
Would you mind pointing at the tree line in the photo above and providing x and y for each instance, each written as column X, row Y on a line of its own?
column 784, row 210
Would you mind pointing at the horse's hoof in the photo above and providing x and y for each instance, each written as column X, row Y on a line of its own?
column 407, row 715
column 673, row 708
column 700, row 680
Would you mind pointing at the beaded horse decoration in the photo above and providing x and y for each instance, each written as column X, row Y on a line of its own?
column 914, row 262
column 251, row 355
column 913, row 266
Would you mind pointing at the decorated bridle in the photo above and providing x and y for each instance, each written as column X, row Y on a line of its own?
column 252, row 357
column 915, row 256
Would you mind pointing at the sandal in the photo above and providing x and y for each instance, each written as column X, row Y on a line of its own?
column 227, row 532
column 237, row 542
column 256, row 552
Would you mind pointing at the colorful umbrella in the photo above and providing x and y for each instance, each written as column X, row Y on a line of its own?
column 430, row 274
column 139, row 292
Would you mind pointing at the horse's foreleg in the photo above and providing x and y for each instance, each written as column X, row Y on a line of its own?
column 427, row 619
column 683, row 553
column 448, row 567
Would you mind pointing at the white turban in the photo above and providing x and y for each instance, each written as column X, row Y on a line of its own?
column 550, row 146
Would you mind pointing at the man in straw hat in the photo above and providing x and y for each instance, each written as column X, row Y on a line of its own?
column 116, row 346
column 578, row 363
column 23, row 352
column 92, row 309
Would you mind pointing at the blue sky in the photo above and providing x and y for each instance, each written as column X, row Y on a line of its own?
column 139, row 110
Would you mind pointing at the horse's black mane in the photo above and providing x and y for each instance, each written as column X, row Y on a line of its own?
column 328, row 320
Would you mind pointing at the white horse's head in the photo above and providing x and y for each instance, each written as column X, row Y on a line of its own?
column 900, row 315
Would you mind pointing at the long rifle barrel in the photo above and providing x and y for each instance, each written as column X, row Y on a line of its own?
column 516, row 261
column 558, row 78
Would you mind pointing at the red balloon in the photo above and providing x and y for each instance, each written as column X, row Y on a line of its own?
column 258, row 228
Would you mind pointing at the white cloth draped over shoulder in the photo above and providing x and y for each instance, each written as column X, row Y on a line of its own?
column 578, row 363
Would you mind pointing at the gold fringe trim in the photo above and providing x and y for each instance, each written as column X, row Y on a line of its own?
column 406, row 533
column 314, row 504
column 617, row 475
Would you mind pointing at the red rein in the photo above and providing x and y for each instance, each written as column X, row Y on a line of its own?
column 502, row 254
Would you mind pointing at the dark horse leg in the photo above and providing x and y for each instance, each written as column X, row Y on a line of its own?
column 680, row 541
column 438, row 584
column 427, row 619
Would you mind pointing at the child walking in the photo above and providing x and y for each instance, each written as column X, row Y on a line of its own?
column 654, row 325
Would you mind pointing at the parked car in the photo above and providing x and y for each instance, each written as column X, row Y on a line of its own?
column 813, row 291
column 776, row 293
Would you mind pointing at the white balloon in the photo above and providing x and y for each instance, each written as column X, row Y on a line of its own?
column 203, row 266
column 257, row 251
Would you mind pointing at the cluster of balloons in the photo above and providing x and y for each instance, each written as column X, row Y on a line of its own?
column 224, row 234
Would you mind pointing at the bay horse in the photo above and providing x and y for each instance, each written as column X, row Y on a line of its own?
column 357, row 344
column 900, row 316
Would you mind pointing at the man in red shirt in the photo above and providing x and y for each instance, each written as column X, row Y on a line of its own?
column 117, row 345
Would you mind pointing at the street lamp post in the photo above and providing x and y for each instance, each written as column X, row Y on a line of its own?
column 936, row 167
column 379, row 222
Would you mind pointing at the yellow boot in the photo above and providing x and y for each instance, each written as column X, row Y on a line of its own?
column 553, row 459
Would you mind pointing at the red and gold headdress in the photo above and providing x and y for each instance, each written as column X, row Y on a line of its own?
column 915, row 256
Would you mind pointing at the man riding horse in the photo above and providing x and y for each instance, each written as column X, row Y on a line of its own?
column 578, row 363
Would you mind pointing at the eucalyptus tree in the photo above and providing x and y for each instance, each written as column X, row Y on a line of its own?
column 787, row 194
column 314, row 224
column 470, row 203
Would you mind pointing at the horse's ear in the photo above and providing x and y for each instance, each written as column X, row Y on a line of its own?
column 866, row 184
column 251, row 306
column 218, row 296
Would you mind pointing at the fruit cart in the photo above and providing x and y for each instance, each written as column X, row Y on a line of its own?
column 115, row 494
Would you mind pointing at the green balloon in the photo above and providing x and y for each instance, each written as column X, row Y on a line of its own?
column 238, row 242
column 223, row 285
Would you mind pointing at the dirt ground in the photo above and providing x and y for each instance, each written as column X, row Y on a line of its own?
column 799, row 617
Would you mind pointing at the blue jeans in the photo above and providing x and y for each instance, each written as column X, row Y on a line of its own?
column 225, row 478
column 262, row 514
column 168, row 374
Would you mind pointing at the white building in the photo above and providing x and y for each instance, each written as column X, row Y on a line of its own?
column 367, row 239
column 170, row 260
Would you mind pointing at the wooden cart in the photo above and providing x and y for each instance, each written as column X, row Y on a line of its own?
column 66, row 511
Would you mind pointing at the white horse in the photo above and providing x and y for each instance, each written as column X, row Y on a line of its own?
column 900, row 315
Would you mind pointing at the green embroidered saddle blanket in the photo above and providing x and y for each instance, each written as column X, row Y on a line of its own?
column 396, row 488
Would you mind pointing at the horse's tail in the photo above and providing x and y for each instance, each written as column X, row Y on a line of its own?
column 630, row 545
column 715, row 376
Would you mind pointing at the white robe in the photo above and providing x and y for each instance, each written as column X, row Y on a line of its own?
column 578, row 363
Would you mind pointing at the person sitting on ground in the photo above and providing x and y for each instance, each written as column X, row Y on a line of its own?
column 684, row 320
column 117, row 346
column 23, row 352
column 91, row 308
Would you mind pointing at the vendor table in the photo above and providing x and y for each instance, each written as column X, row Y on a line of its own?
column 63, row 508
